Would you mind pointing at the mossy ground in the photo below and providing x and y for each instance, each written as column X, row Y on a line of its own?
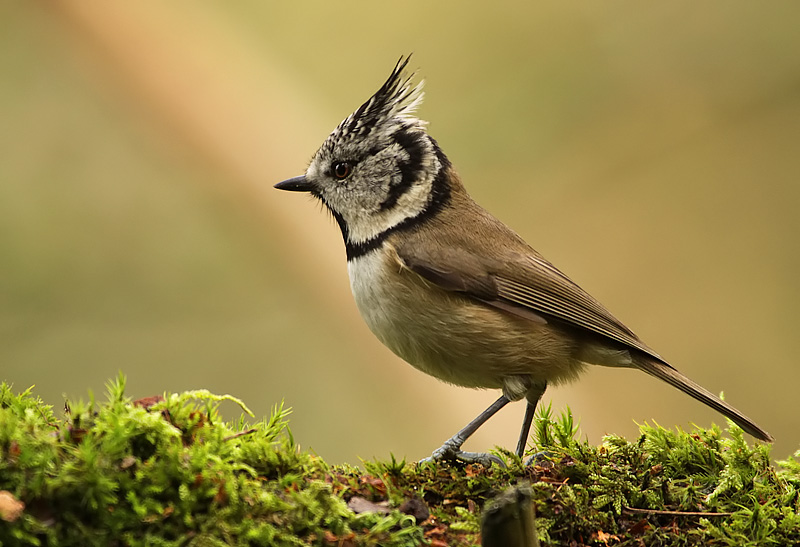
column 168, row 471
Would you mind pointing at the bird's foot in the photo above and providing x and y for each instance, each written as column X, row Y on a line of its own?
column 543, row 458
column 451, row 451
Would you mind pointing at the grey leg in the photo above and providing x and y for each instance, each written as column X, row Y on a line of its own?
column 451, row 449
column 534, row 394
column 530, row 409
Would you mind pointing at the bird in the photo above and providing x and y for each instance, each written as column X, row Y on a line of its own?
column 451, row 289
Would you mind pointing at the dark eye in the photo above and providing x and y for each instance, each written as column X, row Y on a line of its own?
column 342, row 169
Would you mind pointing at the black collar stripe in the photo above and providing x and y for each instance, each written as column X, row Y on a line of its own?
column 440, row 195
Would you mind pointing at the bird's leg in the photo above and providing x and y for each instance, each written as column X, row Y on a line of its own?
column 533, row 396
column 451, row 449
column 530, row 410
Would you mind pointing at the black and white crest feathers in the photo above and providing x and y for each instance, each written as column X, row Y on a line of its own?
column 395, row 101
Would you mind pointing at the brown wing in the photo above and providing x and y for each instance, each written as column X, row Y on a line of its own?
column 524, row 284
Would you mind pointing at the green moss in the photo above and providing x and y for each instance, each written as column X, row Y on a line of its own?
column 169, row 471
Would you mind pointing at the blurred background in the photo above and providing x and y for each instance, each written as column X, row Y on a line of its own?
column 651, row 151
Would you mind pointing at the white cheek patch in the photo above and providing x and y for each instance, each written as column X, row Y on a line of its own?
column 364, row 225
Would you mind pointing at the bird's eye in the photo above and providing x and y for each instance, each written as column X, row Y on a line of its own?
column 342, row 169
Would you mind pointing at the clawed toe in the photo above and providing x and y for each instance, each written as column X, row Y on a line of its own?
column 539, row 458
column 450, row 452
column 483, row 458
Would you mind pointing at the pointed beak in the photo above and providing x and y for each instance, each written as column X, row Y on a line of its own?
column 295, row 184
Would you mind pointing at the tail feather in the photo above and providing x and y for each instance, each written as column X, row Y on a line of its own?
column 665, row 372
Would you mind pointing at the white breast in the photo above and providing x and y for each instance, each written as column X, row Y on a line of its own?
column 379, row 308
column 421, row 324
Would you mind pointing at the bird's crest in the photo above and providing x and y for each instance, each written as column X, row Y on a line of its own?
column 397, row 99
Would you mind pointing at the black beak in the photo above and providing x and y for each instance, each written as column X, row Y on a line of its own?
column 295, row 184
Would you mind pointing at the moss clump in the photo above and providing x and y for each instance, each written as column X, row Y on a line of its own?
column 169, row 471
column 666, row 488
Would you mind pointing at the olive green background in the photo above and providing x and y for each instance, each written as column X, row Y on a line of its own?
column 650, row 150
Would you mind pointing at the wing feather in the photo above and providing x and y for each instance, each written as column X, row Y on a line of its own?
column 527, row 282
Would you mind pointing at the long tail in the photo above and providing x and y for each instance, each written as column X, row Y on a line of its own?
column 675, row 378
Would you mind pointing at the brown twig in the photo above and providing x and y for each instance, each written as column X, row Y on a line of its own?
column 240, row 434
